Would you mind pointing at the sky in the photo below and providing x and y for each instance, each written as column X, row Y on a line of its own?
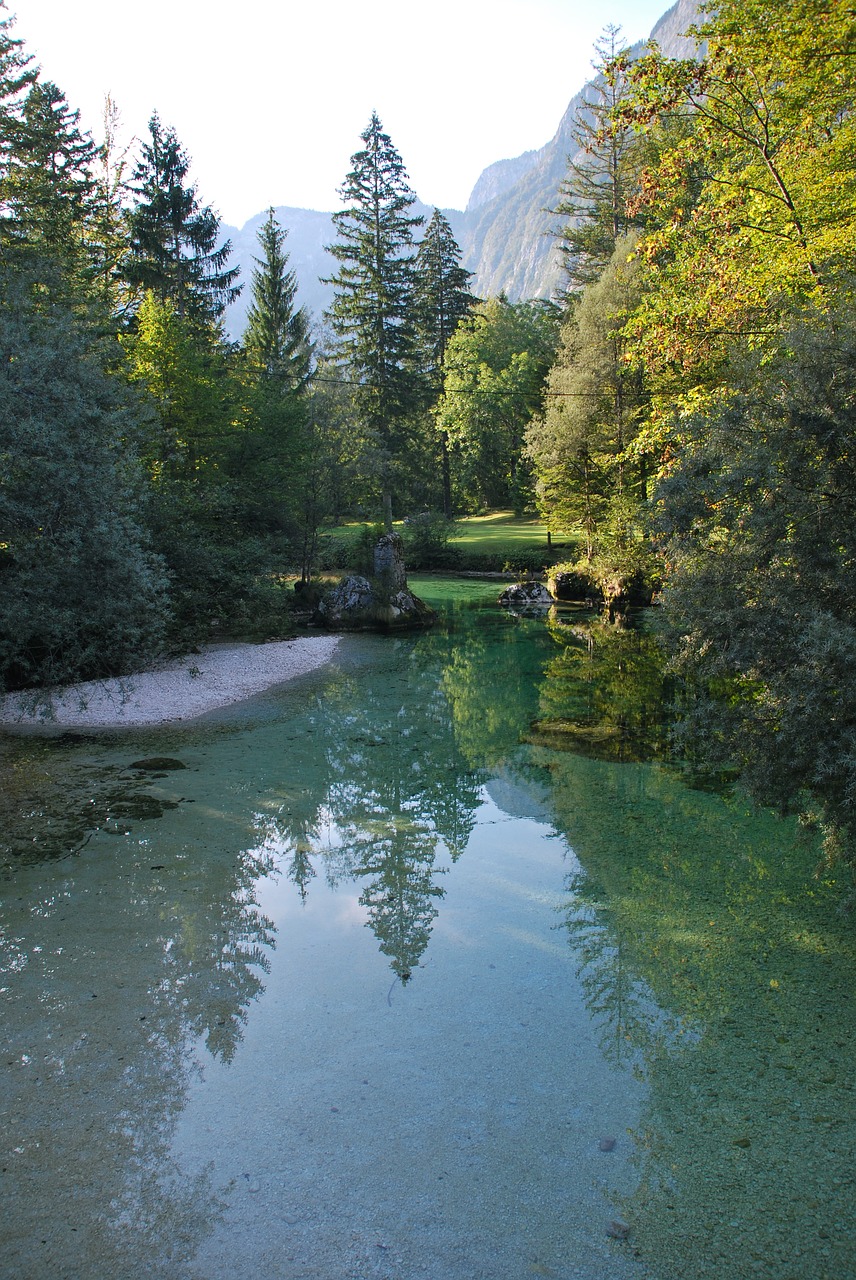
column 269, row 97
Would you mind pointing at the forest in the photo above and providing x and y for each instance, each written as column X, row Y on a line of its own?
column 682, row 415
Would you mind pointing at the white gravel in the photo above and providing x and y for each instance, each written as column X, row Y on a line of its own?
column 182, row 689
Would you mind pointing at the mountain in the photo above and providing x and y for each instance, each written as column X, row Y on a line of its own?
column 507, row 235
column 505, row 232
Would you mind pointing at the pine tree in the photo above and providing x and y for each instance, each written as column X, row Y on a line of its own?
column 372, row 311
column 174, row 250
column 269, row 462
column 277, row 335
column 17, row 75
column 49, row 181
column 443, row 294
column 108, row 230
column 443, row 298
column 599, row 182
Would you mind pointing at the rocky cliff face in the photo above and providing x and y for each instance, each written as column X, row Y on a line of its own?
column 506, row 237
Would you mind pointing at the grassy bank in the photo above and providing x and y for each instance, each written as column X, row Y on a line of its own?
column 490, row 543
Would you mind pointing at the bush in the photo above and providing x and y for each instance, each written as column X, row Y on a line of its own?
column 426, row 541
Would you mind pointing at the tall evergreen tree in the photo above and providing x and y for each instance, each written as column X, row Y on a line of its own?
column 109, row 247
column 49, row 180
column 17, row 74
column 277, row 334
column 269, row 460
column 600, row 180
column 443, row 298
column 443, row 294
column 372, row 311
column 174, row 238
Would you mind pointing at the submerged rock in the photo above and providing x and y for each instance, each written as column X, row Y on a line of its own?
column 157, row 764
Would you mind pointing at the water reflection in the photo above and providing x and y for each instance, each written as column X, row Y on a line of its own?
column 390, row 791
column 694, row 905
column 112, row 967
column 605, row 693
column 711, row 962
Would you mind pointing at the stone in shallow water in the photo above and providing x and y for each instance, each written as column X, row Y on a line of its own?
column 526, row 595
column 606, row 1144
column 140, row 807
column 618, row 1230
column 157, row 764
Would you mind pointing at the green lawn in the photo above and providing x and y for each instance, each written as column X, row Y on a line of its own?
column 492, row 532
column 499, row 540
column 498, row 530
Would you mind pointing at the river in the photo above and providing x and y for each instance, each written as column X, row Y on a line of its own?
column 430, row 963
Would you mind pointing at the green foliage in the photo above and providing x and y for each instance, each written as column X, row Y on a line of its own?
column 276, row 339
column 754, row 208
column 174, row 250
column 82, row 593
column 758, row 521
column 372, row 310
column 442, row 297
column 581, row 447
column 596, row 193
column 49, row 183
column 182, row 366
column 496, row 363
column 427, row 542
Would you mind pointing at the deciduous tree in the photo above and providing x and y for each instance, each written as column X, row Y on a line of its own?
column 495, row 366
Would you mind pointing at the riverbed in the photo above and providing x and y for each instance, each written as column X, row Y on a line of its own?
column 431, row 962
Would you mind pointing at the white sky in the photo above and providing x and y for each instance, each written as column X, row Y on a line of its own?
column 269, row 97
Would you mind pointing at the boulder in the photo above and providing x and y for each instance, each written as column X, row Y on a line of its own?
column 383, row 602
column 526, row 595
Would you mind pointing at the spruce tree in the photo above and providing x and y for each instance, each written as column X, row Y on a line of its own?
column 174, row 249
column 372, row 311
column 270, row 461
column 277, row 335
column 599, row 182
column 443, row 298
column 49, row 181
column 17, row 74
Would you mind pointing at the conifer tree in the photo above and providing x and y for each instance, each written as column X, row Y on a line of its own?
column 600, row 180
column 443, row 294
column 372, row 311
column 17, row 74
column 270, row 459
column 443, row 298
column 174, row 249
column 49, row 180
column 277, row 334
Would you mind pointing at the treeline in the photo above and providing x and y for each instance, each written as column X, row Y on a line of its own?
column 698, row 426
column 150, row 471
column 159, row 482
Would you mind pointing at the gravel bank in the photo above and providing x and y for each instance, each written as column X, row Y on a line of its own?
column 180, row 690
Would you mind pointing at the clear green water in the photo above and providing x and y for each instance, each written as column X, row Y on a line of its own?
column 363, row 989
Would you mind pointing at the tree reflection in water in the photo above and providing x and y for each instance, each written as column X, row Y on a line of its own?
column 112, row 968
column 606, row 693
column 392, row 789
